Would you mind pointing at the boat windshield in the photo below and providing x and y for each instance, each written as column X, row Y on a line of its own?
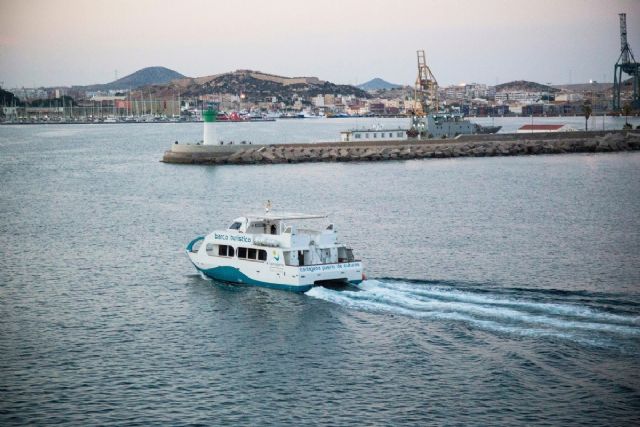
column 235, row 226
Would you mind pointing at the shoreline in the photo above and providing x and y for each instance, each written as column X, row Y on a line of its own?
column 463, row 146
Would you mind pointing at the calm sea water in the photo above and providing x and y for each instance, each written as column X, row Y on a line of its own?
column 501, row 291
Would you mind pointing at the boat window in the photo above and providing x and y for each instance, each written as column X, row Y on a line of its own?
column 287, row 257
column 209, row 248
column 343, row 254
column 242, row 252
column 251, row 253
column 224, row 250
column 350, row 256
column 235, row 226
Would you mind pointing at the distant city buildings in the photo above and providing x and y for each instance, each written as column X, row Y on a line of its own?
column 153, row 103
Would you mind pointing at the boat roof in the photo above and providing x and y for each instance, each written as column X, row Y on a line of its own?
column 373, row 130
column 284, row 216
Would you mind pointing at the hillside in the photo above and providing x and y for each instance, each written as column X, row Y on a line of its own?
column 254, row 85
column 144, row 77
column 377, row 84
column 525, row 86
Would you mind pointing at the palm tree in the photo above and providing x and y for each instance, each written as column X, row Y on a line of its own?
column 626, row 110
column 586, row 109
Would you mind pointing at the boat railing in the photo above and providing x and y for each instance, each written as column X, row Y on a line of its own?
column 193, row 242
column 324, row 263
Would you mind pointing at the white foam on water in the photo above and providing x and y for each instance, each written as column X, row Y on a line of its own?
column 505, row 314
column 551, row 308
column 497, row 313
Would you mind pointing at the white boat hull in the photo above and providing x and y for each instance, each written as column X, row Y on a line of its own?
column 290, row 278
column 265, row 251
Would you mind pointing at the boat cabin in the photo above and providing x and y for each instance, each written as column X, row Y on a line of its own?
column 364, row 135
column 269, row 237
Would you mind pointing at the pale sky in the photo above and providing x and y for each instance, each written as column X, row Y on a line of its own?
column 53, row 42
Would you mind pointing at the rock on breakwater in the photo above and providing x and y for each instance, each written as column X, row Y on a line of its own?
column 470, row 146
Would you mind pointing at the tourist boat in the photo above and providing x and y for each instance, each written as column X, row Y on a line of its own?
column 270, row 250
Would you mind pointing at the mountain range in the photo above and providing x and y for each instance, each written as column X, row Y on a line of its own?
column 253, row 86
column 256, row 86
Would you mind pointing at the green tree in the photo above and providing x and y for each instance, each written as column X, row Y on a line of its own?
column 586, row 109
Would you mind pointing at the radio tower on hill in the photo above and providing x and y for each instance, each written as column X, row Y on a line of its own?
column 626, row 63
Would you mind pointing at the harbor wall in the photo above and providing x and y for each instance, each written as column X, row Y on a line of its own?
column 467, row 146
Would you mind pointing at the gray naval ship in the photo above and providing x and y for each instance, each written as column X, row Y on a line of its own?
column 446, row 125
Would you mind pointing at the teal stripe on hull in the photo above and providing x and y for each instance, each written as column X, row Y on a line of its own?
column 233, row 275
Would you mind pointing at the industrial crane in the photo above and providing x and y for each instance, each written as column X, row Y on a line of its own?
column 425, row 98
column 426, row 89
column 626, row 63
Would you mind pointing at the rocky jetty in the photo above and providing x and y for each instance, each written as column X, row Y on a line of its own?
column 405, row 150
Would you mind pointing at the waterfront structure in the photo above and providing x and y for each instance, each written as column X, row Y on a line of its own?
column 362, row 135
column 545, row 128
column 209, row 133
column 526, row 143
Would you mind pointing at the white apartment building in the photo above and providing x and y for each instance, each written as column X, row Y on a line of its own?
column 475, row 90
column 329, row 100
column 29, row 93
column 519, row 97
column 466, row 91
column 569, row 97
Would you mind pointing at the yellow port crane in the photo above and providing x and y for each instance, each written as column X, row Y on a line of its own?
column 426, row 89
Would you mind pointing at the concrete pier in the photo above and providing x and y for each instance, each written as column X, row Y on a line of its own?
column 463, row 146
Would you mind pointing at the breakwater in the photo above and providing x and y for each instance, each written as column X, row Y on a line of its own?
column 463, row 146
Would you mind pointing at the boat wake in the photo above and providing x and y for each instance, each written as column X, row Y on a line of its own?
column 554, row 314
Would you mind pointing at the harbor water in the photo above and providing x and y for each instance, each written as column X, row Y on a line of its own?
column 500, row 291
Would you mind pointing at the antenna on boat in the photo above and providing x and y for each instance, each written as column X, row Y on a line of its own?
column 267, row 207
